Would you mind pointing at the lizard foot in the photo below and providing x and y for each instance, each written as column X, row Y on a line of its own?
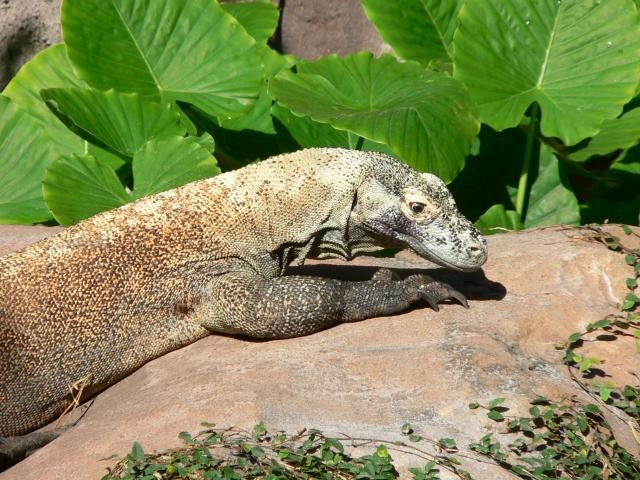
column 385, row 274
column 432, row 291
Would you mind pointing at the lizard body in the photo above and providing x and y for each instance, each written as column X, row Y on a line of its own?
column 86, row 307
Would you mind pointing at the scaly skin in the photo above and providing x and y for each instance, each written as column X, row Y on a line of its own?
column 84, row 308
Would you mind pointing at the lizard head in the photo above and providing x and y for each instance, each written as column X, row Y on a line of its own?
column 402, row 207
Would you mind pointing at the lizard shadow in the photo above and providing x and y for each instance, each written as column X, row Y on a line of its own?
column 474, row 285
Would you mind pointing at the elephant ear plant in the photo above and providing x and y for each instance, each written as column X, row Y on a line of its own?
column 528, row 108
column 555, row 85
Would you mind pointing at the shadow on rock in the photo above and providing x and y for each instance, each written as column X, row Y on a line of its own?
column 474, row 285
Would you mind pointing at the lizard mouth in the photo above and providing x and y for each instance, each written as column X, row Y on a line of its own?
column 434, row 257
column 387, row 235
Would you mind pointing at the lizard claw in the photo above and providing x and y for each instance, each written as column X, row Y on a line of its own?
column 459, row 297
column 433, row 303
column 433, row 292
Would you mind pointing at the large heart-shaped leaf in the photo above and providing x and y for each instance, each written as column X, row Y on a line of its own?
column 51, row 68
column 187, row 50
column 425, row 117
column 168, row 162
column 25, row 152
column 48, row 69
column 619, row 133
column 121, row 121
column 420, row 30
column 566, row 55
column 78, row 186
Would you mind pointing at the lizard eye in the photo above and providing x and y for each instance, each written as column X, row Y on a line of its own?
column 417, row 207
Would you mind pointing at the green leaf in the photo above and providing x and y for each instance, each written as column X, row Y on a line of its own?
column 473, row 405
column 597, row 324
column 587, row 362
column 259, row 19
column 551, row 201
column 206, row 141
column 77, row 187
column 630, row 301
column 583, row 425
column 122, row 121
column 333, row 443
column 604, row 392
column 420, row 30
column 51, row 68
column 309, row 133
column 137, row 453
column 498, row 218
column 495, row 415
column 632, row 283
column 406, row 429
column 25, row 152
column 591, row 408
column 257, row 452
column 259, row 430
column 495, row 402
column 187, row 50
column 168, row 162
column 630, row 259
column 447, row 443
column 382, row 451
column 574, row 337
column 565, row 55
column 381, row 99
column 617, row 133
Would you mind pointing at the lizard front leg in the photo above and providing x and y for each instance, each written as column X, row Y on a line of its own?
column 292, row 306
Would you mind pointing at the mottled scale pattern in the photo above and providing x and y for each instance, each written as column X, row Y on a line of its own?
column 95, row 302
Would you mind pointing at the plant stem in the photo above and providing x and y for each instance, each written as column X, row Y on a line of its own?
column 359, row 143
column 522, row 196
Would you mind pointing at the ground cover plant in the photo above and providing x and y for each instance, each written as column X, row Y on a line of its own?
column 528, row 110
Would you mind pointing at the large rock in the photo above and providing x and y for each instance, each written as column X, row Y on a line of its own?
column 366, row 379
column 311, row 29
column 26, row 27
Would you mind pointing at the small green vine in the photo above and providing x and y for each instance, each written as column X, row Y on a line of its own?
column 568, row 439
column 234, row 454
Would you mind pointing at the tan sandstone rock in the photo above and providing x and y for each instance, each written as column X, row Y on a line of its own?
column 366, row 379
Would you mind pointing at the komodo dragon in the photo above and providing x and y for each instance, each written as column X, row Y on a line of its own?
column 88, row 306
